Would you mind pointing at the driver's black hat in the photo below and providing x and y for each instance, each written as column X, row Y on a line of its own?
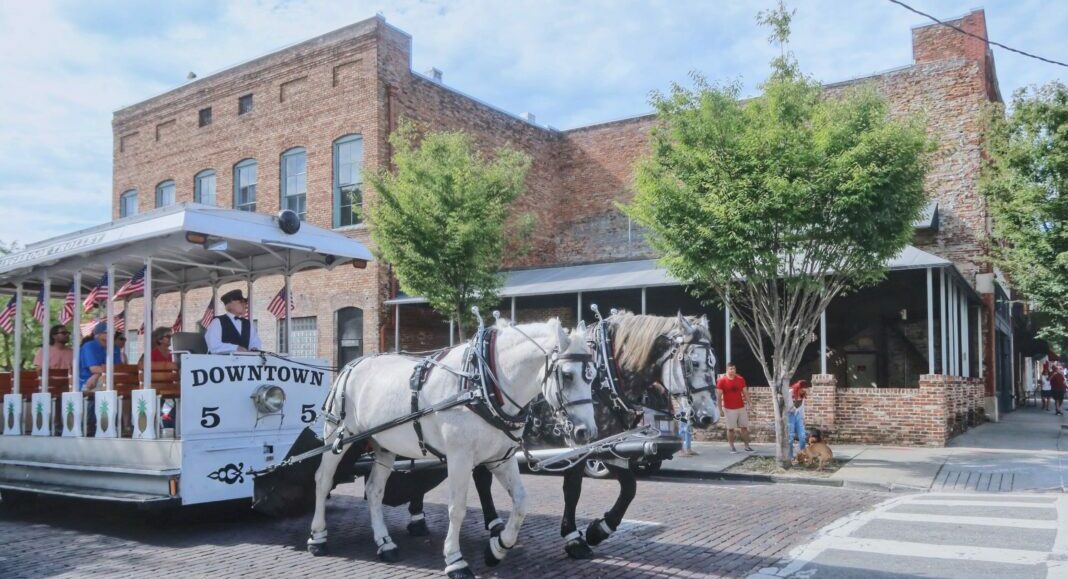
column 233, row 295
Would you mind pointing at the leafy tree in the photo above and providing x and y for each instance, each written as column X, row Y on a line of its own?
column 441, row 218
column 31, row 329
column 777, row 204
column 1025, row 183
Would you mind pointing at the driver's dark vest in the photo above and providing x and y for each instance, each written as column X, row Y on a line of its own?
column 230, row 335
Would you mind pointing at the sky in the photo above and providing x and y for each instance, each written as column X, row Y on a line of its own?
column 69, row 64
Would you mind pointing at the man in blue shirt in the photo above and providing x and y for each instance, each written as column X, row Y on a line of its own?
column 92, row 360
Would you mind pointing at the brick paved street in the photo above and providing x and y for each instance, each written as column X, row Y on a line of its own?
column 674, row 528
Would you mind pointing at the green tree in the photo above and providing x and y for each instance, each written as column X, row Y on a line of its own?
column 1024, row 183
column 441, row 218
column 31, row 329
column 775, row 205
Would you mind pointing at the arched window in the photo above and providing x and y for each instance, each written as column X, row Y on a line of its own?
column 348, row 180
column 128, row 203
column 165, row 193
column 294, row 186
column 204, row 187
column 348, row 322
column 245, row 185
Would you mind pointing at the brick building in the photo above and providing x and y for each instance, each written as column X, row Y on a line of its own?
column 298, row 127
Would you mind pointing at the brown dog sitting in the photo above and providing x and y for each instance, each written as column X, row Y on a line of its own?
column 816, row 451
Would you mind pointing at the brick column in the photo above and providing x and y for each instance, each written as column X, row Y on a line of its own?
column 820, row 407
column 932, row 412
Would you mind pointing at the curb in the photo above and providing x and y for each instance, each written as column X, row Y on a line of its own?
column 736, row 476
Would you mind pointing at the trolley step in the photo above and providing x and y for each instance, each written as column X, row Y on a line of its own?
column 90, row 494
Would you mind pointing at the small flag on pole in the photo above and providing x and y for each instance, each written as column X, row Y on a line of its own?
column 177, row 325
column 99, row 292
column 135, row 286
column 39, row 308
column 86, row 328
column 277, row 307
column 7, row 316
column 67, row 313
column 209, row 315
column 119, row 321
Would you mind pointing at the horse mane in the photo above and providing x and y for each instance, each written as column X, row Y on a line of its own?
column 635, row 337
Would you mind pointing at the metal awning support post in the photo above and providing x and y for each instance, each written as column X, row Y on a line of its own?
column 76, row 330
column 823, row 342
column 643, row 301
column 16, row 364
column 46, row 289
column 966, row 369
column 513, row 309
column 181, row 309
column 289, row 315
column 109, row 356
column 147, row 337
column 930, row 322
column 979, row 338
column 396, row 328
column 954, row 336
column 727, row 332
column 944, row 367
column 578, row 313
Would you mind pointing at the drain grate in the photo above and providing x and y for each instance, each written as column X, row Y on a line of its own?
column 975, row 480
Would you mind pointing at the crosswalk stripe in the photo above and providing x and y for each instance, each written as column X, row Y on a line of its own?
column 929, row 551
column 1012, row 504
column 983, row 521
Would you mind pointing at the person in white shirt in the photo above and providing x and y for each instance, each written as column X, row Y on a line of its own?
column 231, row 332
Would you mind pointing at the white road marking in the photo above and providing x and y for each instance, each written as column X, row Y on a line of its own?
column 1006, row 504
column 929, row 551
column 983, row 521
column 1057, row 567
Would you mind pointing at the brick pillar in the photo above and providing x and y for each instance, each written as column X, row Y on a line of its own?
column 933, row 414
column 820, row 407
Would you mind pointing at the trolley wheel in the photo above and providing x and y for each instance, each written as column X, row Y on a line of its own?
column 596, row 469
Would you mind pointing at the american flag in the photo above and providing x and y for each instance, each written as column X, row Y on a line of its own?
column 40, row 308
column 277, row 307
column 209, row 315
column 86, row 328
column 119, row 321
column 67, row 313
column 177, row 325
column 7, row 316
column 96, row 294
column 134, row 286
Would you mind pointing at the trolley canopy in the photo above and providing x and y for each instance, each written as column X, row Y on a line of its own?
column 190, row 245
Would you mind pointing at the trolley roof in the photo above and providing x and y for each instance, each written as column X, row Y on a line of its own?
column 190, row 245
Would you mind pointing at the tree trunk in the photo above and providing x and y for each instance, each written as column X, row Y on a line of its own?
column 460, row 324
column 782, row 430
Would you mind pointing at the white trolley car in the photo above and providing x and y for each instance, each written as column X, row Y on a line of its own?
column 235, row 412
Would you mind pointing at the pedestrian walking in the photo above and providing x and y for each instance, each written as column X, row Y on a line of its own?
column 1045, row 387
column 795, row 415
column 733, row 404
column 1058, row 385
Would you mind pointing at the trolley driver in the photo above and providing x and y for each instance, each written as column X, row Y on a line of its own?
column 231, row 332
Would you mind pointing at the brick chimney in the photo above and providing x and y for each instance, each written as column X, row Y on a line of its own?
column 934, row 42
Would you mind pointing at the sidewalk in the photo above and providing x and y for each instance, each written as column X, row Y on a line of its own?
column 1023, row 452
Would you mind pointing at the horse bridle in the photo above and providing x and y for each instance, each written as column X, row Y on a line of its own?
column 680, row 354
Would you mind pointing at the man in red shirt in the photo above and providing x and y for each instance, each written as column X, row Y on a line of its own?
column 1058, row 386
column 733, row 401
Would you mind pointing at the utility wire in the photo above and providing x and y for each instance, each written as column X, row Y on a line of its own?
column 986, row 40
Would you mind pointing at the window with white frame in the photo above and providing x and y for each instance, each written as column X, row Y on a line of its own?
column 295, row 181
column 128, row 203
column 245, row 185
column 305, row 337
column 204, row 187
column 348, row 180
column 165, row 194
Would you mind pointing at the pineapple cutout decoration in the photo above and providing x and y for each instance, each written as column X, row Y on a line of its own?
column 10, row 415
column 38, row 411
column 104, row 419
column 142, row 415
column 70, row 416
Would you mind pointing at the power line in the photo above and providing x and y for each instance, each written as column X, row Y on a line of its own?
column 986, row 40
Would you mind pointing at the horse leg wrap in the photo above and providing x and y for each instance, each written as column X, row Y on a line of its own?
column 496, row 551
column 598, row 531
column 576, row 547
column 455, row 566
column 387, row 551
column 317, row 543
column 495, row 527
column 417, row 526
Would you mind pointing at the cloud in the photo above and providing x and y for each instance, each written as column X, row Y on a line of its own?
column 69, row 64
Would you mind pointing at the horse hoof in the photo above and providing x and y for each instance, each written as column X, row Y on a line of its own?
column 418, row 528
column 596, row 532
column 317, row 549
column 496, row 530
column 389, row 555
column 489, row 557
column 578, row 549
column 464, row 573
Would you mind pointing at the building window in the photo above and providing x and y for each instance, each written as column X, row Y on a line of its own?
column 204, row 187
column 165, row 194
column 128, row 203
column 348, row 180
column 133, row 346
column 205, row 117
column 244, row 104
column 295, row 181
column 305, row 338
column 245, row 185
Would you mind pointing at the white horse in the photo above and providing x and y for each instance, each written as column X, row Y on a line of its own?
column 531, row 359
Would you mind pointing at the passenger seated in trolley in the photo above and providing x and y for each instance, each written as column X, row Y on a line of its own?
column 231, row 332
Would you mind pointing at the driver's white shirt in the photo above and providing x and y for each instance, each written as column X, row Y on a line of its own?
column 213, row 336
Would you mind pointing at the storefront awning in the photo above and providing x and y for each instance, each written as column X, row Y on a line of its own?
column 621, row 275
